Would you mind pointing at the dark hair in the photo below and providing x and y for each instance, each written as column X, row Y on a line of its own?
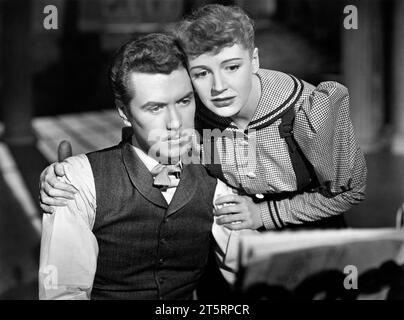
column 213, row 27
column 153, row 53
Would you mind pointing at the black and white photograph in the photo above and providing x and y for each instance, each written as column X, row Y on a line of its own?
column 210, row 154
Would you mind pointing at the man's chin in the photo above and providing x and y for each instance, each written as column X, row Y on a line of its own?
column 173, row 154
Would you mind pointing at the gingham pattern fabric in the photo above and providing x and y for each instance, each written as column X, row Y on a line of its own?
column 257, row 159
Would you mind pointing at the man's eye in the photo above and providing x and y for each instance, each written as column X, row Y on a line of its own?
column 233, row 67
column 185, row 102
column 155, row 109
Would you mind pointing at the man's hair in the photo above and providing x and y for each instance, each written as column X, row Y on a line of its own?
column 153, row 53
column 212, row 27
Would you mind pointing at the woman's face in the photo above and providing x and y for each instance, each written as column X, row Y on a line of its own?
column 224, row 80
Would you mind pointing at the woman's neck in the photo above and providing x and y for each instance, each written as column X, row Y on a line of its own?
column 245, row 115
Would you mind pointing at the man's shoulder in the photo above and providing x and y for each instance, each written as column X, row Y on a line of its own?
column 110, row 151
column 82, row 164
column 78, row 172
column 76, row 163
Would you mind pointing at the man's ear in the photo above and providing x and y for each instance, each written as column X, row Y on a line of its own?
column 123, row 115
column 255, row 60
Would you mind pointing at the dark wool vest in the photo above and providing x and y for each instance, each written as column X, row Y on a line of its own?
column 147, row 248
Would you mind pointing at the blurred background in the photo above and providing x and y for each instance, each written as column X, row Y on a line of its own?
column 53, row 86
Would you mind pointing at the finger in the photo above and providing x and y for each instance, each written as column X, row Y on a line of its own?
column 48, row 175
column 48, row 171
column 42, row 176
column 228, row 198
column 231, row 218
column 237, row 226
column 59, row 169
column 57, row 184
column 58, row 193
column 46, row 200
column 64, row 150
column 47, row 209
column 65, row 187
column 230, row 209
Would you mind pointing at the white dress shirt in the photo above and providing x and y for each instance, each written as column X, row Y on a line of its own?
column 69, row 249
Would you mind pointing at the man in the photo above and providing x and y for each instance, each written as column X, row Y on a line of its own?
column 136, row 228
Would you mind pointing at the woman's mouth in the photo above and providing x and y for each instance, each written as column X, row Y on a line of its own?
column 222, row 102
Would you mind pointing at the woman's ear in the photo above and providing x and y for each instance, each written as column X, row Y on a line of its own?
column 122, row 114
column 255, row 60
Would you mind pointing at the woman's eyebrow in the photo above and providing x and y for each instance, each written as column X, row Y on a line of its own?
column 231, row 60
column 200, row 67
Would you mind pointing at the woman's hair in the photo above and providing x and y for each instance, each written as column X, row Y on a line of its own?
column 213, row 27
column 153, row 53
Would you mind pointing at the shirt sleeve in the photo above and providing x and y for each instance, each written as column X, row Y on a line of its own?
column 69, row 249
column 324, row 132
column 227, row 241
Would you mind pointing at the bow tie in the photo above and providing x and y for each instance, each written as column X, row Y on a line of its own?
column 162, row 173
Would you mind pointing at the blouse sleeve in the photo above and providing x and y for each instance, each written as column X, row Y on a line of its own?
column 324, row 131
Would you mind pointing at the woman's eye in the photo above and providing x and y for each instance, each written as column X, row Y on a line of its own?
column 201, row 74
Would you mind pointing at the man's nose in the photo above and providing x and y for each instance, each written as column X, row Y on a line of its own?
column 218, row 85
column 174, row 121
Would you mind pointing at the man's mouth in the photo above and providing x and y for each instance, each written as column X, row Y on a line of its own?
column 178, row 139
column 223, row 102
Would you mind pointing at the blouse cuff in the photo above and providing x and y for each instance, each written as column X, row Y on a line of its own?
column 270, row 215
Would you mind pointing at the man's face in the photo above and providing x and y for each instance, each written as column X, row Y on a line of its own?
column 223, row 81
column 161, row 113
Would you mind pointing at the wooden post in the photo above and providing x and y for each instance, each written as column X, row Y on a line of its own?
column 362, row 64
column 398, row 77
column 16, row 104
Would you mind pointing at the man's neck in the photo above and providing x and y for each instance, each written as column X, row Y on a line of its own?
column 153, row 155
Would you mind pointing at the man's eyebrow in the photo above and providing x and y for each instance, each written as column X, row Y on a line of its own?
column 188, row 95
column 222, row 62
column 161, row 104
column 152, row 104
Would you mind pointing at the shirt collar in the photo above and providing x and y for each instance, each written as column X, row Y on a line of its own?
column 148, row 161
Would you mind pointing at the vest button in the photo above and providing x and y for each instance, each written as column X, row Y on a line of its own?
column 161, row 280
column 161, row 260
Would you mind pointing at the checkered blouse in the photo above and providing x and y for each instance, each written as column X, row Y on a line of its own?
column 257, row 160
